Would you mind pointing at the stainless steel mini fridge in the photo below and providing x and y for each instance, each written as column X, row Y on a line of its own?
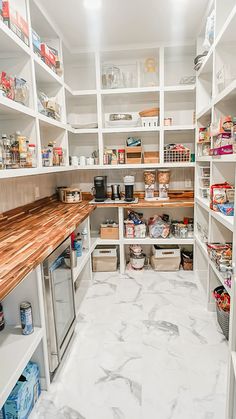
column 59, row 303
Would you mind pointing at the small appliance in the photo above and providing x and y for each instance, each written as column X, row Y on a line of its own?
column 129, row 188
column 115, row 192
column 100, row 188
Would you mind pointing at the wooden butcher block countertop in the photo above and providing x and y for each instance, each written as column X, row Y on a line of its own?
column 29, row 234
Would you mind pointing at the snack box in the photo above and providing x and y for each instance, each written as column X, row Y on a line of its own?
column 219, row 151
column 15, row 21
column 24, row 395
column 36, row 40
column 48, row 57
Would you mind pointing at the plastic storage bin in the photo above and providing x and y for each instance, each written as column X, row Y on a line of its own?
column 104, row 259
column 165, row 258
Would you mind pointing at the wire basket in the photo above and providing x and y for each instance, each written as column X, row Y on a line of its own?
column 222, row 316
column 177, row 156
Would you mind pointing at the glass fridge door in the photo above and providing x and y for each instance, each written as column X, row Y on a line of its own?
column 64, row 307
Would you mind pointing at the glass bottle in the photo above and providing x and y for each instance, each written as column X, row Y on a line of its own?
column 1, row 155
column 7, row 152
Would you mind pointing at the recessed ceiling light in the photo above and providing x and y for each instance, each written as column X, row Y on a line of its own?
column 92, row 4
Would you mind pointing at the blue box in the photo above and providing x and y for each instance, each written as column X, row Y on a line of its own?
column 24, row 395
column 36, row 43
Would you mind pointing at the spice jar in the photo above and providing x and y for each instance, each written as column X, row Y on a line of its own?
column 121, row 156
column 183, row 231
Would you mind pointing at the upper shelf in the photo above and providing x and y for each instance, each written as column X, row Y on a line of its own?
column 10, row 42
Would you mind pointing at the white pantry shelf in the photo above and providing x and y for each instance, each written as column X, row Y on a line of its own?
column 168, row 240
column 229, row 93
column 227, row 221
column 82, row 131
column 9, row 107
column 202, row 246
column 180, row 127
column 44, row 74
column 10, row 42
column 219, row 276
column 131, row 90
column 46, row 121
column 204, row 112
column 16, row 350
column 129, row 129
column 180, row 88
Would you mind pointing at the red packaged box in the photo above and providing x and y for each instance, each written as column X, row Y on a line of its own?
column 219, row 151
column 7, row 85
column 15, row 22
column 48, row 57
column 218, row 195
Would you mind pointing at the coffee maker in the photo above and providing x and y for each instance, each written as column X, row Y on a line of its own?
column 129, row 188
column 100, row 188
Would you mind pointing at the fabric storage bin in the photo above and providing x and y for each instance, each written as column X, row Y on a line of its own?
column 166, row 258
column 105, row 259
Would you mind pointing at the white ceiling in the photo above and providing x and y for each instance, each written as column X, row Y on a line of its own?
column 126, row 22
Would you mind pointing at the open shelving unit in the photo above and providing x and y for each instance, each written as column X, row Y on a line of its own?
column 215, row 98
column 84, row 100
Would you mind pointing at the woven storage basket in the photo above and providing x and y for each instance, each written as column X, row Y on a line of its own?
column 222, row 316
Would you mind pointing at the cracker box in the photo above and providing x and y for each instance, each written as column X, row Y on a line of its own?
column 24, row 395
column 36, row 43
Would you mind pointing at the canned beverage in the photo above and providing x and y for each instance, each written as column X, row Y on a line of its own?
column 26, row 318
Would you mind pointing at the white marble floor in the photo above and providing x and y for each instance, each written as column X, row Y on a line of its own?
column 145, row 348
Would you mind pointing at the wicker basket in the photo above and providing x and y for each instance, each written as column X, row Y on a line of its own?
column 177, row 156
column 222, row 316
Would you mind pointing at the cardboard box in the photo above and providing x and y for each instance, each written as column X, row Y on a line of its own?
column 24, row 395
column 48, row 57
column 36, row 43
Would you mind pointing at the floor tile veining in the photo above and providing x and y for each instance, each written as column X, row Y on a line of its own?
column 145, row 348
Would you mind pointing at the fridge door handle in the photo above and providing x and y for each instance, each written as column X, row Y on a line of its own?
column 54, row 353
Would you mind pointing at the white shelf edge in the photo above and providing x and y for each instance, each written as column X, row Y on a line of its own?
column 204, row 111
column 149, row 240
column 203, row 158
column 206, row 59
column 82, row 260
column 16, row 352
column 204, row 203
column 226, row 92
column 14, row 38
column 129, row 129
column 227, row 221
column 180, row 127
column 219, row 276
column 180, row 88
column 51, row 121
column 88, row 92
column 202, row 246
column 233, row 356
column 82, row 131
column 126, row 90
column 16, row 106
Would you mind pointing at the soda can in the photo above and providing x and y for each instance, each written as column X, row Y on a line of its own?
column 26, row 318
